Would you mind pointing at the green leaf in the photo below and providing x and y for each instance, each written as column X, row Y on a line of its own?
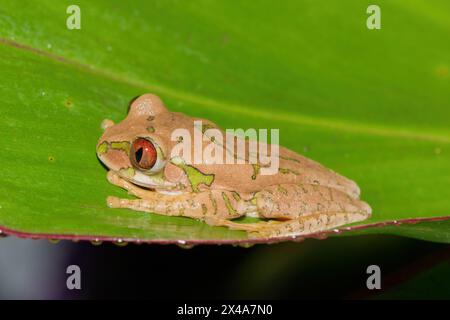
column 370, row 104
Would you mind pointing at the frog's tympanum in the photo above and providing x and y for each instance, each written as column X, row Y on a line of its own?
column 302, row 197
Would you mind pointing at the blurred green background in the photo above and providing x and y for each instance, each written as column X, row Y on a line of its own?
column 373, row 105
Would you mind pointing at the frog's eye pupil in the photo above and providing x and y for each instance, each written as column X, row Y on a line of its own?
column 143, row 154
column 138, row 154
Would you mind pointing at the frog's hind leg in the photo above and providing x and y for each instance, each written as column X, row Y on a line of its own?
column 291, row 201
column 300, row 209
column 305, row 225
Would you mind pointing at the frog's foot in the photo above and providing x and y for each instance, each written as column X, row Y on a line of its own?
column 305, row 225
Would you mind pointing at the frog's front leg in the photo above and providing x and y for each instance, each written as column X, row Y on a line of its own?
column 221, row 204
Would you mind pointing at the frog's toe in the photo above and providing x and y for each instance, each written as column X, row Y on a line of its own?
column 112, row 177
column 113, row 202
column 366, row 208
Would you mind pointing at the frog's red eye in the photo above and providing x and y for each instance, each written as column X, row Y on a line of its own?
column 143, row 154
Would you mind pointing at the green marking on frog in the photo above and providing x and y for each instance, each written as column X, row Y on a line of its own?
column 236, row 196
column 230, row 208
column 207, row 126
column 102, row 148
column 151, row 129
column 204, row 209
column 127, row 172
column 256, row 168
column 290, row 159
column 121, row 145
column 214, row 203
column 282, row 190
column 195, row 176
column 287, row 171
column 253, row 199
column 160, row 153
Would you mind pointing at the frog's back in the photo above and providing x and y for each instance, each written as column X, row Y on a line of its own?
column 293, row 168
column 248, row 177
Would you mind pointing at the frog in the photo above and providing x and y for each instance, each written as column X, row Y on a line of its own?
column 302, row 198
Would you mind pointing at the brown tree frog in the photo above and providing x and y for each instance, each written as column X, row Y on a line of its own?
column 303, row 197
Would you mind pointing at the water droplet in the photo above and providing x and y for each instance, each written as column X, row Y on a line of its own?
column 247, row 244
column 96, row 242
column 185, row 246
column 336, row 231
column 120, row 243
column 181, row 241
column 437, row 151
column 49, row 45
column 43, row 93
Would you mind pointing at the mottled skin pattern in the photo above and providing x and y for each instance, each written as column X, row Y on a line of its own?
column 303, row 197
